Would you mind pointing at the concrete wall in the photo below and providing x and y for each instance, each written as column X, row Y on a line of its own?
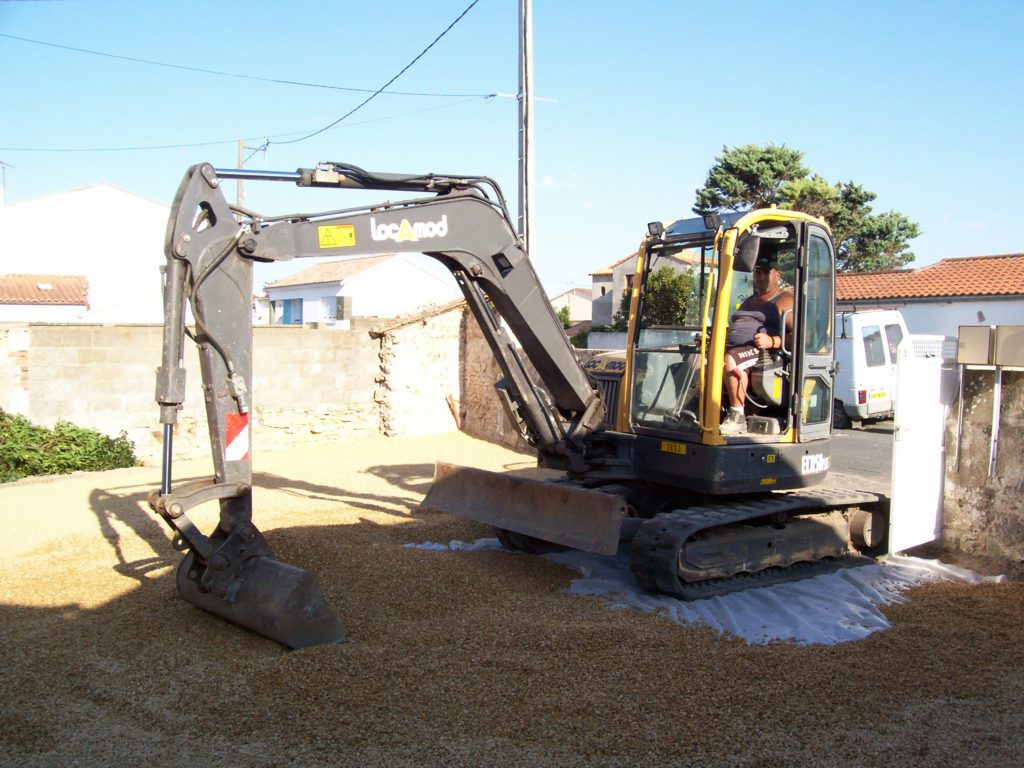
column 984, row 515
column 308, row 384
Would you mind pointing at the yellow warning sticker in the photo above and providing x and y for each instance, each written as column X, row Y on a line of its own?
column 336, row 235
column 670, row 447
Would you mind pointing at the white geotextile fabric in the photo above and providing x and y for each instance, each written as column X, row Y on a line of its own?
column 826, row 609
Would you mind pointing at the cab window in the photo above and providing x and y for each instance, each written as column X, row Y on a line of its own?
column 818, row 335
column 874, row 349
column 893, row 335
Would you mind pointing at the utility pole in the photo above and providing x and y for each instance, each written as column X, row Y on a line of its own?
column 526, row 168
column 239, row 192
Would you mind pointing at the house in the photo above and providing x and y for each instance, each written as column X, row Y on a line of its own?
column 99, row 239
column 43, row 298
column 578, row 300
column 609, row 284
column 937, row 299
column 333, row 292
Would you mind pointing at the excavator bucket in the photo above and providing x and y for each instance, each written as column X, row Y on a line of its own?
column 269, row 597
column 236, row 576
column 563, row 514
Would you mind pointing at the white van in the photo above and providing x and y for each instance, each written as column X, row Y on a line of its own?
column 866, row 344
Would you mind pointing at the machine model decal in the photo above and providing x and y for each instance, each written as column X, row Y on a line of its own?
column 604, row 365
column 236, row 437
column 813, row 464
column 336, row 235
column 407, row 232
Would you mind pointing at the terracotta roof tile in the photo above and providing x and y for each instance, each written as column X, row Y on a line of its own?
column 330, row 272
column 969, row 276
column 44, row 289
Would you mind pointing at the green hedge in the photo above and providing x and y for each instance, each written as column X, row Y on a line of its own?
column 28, row 449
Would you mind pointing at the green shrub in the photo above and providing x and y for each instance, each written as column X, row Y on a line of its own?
column 28, row 449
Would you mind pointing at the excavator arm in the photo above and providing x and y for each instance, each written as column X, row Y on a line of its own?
column 211, row 248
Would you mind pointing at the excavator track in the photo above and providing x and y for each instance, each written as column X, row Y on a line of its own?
column 701, row 552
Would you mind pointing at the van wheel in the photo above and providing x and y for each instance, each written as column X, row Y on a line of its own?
column 840, row 420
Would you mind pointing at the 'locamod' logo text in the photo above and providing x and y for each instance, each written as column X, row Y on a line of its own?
column 407, row 232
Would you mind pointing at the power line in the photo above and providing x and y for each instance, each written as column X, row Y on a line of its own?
column 220, row 73
column 380, row 90
column 261, row 138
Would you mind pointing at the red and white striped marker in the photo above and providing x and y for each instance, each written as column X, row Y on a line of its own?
column 236, row 438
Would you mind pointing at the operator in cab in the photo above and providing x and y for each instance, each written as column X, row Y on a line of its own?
column 755, row 326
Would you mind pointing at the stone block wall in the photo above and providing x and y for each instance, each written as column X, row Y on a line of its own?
column 984, row 515
column 308, row 384
column 418, row 385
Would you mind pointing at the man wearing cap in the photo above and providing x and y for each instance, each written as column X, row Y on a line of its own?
column 755, row 326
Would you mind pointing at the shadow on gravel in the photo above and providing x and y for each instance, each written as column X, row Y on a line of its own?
column 127, row 506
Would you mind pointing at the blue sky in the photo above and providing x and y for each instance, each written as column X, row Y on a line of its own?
column 920, row 102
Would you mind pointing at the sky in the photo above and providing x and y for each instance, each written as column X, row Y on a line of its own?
column 919, row 102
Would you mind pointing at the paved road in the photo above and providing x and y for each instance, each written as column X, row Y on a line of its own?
column 862, row 457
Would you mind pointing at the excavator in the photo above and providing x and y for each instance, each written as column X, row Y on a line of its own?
column 642, row 464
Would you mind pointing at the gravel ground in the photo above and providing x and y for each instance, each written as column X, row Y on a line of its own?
column 473, row 659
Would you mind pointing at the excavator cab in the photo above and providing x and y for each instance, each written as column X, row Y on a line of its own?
column 669, row 390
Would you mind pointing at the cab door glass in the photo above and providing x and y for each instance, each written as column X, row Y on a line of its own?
column 816, row 395
column 818, row 325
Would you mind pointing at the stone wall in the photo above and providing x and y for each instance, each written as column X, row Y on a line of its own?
column 418, row 383
column 984, row 515
column 308, row 384
column 482, row 414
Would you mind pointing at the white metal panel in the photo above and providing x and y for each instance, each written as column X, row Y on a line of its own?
column 926, row 388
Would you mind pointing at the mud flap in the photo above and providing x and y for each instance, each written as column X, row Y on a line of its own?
column 557, row 512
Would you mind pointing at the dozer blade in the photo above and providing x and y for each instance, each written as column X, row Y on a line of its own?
column 273, row 599
column 563, row 514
